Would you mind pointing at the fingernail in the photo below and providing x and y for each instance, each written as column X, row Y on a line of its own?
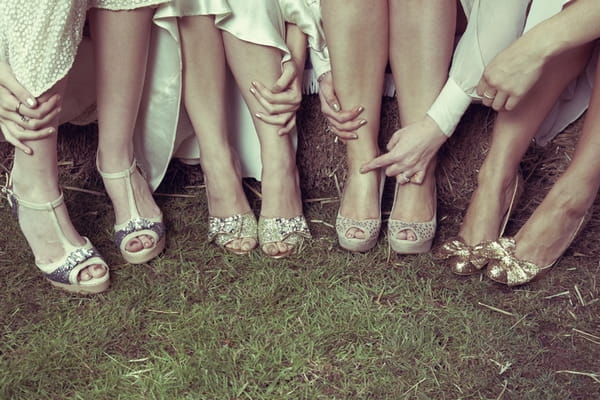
column 254, row 84
column 361, row 109
column 28, row 152
column 258, row 115
column 336, row 107
column 354, row 136
column 31, row 102
column 252, row 90
column 362, row 122
column 362, row 170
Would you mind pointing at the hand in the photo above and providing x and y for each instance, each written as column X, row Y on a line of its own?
column 511, row 74
column 410, row 150
column 22, row 117
column 281, row 102
column 343, row 123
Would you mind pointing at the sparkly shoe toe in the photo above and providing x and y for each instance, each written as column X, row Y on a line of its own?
column 223, row 231
column 370, row 227
column 291, row 231
column 64, row 273
column 460, row 257
column 136, row 225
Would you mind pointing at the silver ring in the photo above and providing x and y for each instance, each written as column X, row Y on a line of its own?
column 405, row 179
column 24, row 118
column 490, row 97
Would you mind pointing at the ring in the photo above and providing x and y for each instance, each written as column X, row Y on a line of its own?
column 17, row 109
column 405, row 179
column 490, row 97
column 23, row 117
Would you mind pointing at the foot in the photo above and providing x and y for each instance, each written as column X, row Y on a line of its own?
column 414, row 203
column 550, row 230
column 40, row 232
column 226, row 197
column 281, row 197
column 361, row 200
column 117, row 191
column 486, row 216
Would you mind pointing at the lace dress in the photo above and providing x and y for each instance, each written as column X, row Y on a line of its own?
column 39, row 39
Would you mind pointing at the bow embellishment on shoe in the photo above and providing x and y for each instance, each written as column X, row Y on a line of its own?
column 505, row 267
column 464, row 259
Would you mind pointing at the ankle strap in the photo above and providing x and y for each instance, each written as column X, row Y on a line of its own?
column 117, row 175
column 50, row 206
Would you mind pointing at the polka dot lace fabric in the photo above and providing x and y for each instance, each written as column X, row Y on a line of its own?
column 39, row 39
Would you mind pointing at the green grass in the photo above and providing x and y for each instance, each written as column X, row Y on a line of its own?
column 198, row 323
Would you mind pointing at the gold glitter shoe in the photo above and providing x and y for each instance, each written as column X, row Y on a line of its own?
column 424, row 231
column 464, row 259
column 291, row 231
column 64, row 273
column 504, row 267
column 223, row 231
column 370, row 227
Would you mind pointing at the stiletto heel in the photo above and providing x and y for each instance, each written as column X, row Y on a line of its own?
column 464, row 259
column 136, row 225
column 424, row 231
column 370, row 227
column 64, row 272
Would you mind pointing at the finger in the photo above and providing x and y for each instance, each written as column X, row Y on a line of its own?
column 276, row 119
column 37, row 124
column 288, row 127
column 287, row 77
column 276, row 102
column 10, row 82
column 512, row 102
column 10, row 138
column 482, row 87
column 343, row 134
column 350, row 126
column 393, row 141
column 46, row 106
column 382, row 161
column 499, row 101
column 418, row 177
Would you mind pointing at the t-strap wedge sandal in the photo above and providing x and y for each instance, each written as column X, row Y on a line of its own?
column 64, row 273
column 136, row 225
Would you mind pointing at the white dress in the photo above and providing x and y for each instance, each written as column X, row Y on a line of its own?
column 492, row 26
column 39, row 39
column 164, row 130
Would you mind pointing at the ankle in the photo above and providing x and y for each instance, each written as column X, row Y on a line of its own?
column 115, row 161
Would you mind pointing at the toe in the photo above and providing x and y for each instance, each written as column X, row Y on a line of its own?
column 97, row 271
column 147, row 241
column 134, row 245
column 85, row 275
column 234, row 245
column 282, row 247
column 248, row 244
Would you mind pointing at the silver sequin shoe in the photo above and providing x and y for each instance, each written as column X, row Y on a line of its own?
column 136, row 225
column 64, row 272
column 424, row 232
column 291, row 231
column 223, row 231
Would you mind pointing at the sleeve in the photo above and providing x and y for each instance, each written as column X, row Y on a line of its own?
column 306, row 14
column 492, row 26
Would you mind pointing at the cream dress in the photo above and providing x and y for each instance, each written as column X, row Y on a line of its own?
column 492, row 26
column 164, row 130
column 40, row 39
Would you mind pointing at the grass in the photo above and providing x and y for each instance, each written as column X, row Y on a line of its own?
column 198, row 323
column 201, row 324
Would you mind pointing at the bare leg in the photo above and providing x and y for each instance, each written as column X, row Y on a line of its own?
column 512, row 135
column 121, row 50
column 281, row 195
column 550, row 229
column 357, row 36
column 422, row 39
column 205, row 99
column 35, row 179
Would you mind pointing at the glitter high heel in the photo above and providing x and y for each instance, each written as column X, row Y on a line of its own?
column 504, row 267
column 424, row 232
column 136, row 225
column 370, row 227
column 464, row 259
column 291, row 231
column 223, row 231
column 64, row 273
